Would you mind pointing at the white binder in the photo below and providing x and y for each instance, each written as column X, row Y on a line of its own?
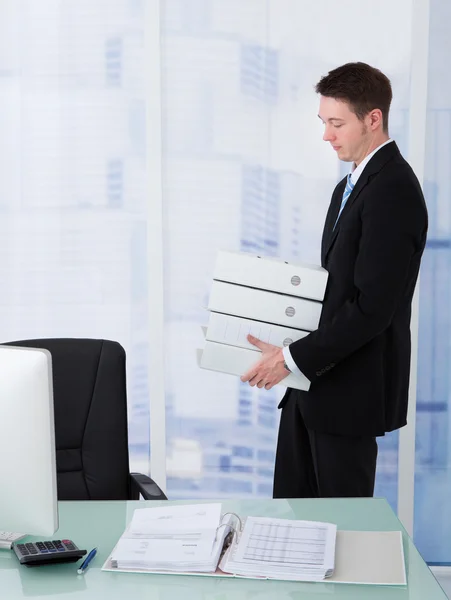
column 236, row 361
column 261, row 305
column 226, row 329
column 302, row 280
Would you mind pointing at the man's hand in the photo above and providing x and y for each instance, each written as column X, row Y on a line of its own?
column 269, row 370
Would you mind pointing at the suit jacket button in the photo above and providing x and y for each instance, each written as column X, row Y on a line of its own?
column 318, row 373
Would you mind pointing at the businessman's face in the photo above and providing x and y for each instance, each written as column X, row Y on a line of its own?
column 349, row 136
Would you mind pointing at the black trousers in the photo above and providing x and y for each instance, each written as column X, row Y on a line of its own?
column 319, row 465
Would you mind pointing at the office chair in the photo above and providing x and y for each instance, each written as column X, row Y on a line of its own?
column 90, row 405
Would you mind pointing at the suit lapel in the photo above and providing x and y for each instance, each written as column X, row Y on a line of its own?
column 375, row 165
column 331, row 217
column 361, row 183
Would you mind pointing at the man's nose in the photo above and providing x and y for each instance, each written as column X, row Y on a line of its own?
column 328, row 135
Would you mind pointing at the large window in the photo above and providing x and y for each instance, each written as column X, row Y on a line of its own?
column 433, row 435
column 73, row 200
column 245, row 168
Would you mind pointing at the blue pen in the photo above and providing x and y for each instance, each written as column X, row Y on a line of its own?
column 85, row 564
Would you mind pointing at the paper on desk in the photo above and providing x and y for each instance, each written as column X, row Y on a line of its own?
column 136, row 553
column 173, row 538
column 175, row 519
column 283, row 549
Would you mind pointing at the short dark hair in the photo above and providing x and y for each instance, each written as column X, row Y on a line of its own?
column 363, row 87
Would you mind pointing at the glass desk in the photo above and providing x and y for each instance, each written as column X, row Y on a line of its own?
column 101, row 524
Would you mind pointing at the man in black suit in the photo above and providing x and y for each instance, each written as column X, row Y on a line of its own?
column 358, row 360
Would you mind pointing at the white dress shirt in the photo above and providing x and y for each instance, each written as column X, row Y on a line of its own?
column 355, row 174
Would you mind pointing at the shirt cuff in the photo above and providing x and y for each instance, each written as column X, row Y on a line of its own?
column 291, row 364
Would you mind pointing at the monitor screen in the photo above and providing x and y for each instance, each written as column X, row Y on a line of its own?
column 28, row 492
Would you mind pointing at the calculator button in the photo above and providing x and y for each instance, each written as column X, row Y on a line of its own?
column 48, row 545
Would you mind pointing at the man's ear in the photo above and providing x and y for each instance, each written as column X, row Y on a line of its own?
column 375, row 118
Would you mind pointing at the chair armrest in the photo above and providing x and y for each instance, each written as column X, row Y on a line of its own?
column 144, row 485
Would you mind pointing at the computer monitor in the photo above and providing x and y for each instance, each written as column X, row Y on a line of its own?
column 28, row 493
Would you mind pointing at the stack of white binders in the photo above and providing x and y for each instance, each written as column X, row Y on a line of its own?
column 276, row 301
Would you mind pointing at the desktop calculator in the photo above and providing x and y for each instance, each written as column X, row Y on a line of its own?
column 33, row 554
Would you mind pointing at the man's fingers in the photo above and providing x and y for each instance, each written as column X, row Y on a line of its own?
column 255, row 380
column 252, row 372
column 248, row 375
column 256, row 342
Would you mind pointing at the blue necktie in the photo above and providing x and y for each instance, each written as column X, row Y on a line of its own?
column 348, row 189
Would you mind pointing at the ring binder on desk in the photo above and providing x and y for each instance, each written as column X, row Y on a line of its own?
column 198, row 540
column 240, row 528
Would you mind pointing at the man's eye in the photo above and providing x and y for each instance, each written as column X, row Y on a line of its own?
column 338, row 126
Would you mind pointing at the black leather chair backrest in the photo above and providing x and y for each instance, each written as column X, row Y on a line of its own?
column 90, row 399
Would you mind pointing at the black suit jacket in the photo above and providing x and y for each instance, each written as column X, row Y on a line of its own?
column 358, row 360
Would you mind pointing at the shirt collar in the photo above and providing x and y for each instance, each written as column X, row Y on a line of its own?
column 357, row 171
